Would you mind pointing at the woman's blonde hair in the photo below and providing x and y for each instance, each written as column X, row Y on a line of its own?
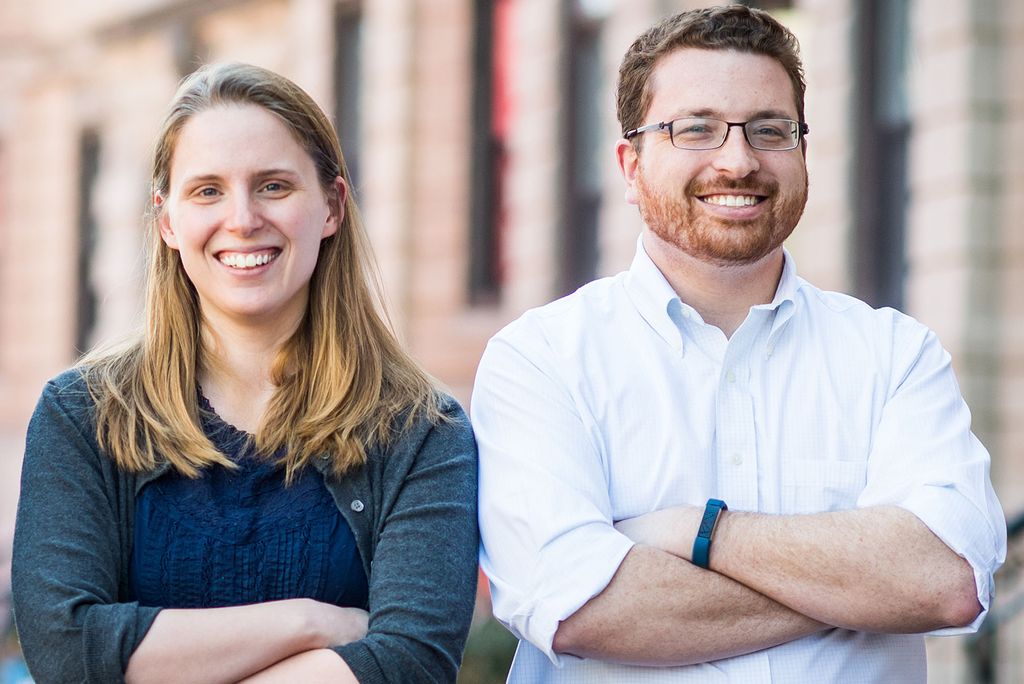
column 343, row 380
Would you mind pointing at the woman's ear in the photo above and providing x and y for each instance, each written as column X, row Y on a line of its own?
column 163, row 222
column 336, row 207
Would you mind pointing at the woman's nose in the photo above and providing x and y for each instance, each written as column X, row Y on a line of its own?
column 243, row 215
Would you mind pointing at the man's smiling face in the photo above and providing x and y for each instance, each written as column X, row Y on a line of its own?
column 728, row 206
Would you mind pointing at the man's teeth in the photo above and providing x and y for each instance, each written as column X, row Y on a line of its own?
column 732, row 200
column 246, row 260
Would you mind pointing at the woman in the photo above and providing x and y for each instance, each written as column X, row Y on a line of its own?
column 264, row 481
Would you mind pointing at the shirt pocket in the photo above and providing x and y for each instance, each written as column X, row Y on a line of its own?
column 815, row 486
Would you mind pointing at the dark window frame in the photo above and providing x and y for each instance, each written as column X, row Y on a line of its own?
column 579, row 234
column 769, row 5
column 488, row 162
column 86, row 300
column 348, row 84
column 883, row 130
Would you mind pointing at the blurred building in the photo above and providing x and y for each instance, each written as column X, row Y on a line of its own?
column 480, row 138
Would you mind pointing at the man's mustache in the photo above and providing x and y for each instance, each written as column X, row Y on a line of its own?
column 749, row 185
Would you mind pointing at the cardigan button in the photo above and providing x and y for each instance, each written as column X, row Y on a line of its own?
column 357, row 506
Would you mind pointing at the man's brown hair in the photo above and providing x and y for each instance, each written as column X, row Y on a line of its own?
column 732, row 27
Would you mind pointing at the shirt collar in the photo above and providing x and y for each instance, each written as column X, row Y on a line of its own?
column 652, row 295
column 784, row 302
column 788, row 283
column 659, row 304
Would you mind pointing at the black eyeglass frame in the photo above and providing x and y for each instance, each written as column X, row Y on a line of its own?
column 802, row 130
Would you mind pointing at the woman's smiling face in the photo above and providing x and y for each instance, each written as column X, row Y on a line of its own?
column 246, row 212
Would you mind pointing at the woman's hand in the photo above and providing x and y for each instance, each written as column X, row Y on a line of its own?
column 230, row 644
column 333, row 625
column 310, row 667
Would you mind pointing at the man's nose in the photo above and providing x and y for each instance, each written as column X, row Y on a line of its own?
column 736, row 158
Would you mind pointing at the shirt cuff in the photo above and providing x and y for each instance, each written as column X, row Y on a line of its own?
column 965, row 530
column 571, row 570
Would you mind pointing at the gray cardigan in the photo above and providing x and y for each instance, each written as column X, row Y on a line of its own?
column 412, row 510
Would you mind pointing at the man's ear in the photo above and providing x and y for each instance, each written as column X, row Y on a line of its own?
column 629, row 166
column 336, row 207
column 163, row 222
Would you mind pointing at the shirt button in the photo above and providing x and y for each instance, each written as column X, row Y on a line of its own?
column 737, row 458
column 357, row 506
column 730, row 376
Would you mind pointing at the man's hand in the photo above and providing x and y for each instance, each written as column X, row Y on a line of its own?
column 662, row 610
column 873, row 569
column 672, row 529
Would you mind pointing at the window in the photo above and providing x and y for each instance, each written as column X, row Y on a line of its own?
column 188, row 49
column 883, row 136
column 348, row 83
column 89, row 162
column 769, row 5
column 584, row 106
column 491, row 115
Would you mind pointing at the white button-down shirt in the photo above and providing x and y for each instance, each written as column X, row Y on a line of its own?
column 619, row 400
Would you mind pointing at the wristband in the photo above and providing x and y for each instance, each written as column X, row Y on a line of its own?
column 702, row 544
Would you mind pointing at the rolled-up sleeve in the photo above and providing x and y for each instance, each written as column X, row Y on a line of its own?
column 548, row 544
column 925, row 459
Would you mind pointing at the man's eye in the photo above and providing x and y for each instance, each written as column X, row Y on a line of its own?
column 769, row 131
column 695, row 129
column 274, row 186
column 208, row 192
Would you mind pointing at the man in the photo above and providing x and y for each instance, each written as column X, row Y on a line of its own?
column 706, row 469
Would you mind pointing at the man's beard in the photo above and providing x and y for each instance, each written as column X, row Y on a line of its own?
column 679, row 220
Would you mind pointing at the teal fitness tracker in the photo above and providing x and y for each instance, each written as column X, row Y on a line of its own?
column 702, row 544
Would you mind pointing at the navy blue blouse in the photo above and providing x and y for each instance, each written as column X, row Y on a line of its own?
column 237, row 537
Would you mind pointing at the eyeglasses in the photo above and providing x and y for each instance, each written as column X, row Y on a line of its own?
column 699, row 133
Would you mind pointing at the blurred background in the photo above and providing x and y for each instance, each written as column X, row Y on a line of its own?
column 480, row 135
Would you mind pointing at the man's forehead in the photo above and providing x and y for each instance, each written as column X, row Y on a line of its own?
column 701, row 82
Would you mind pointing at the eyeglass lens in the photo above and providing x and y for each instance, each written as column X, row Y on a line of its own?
column 763, row 134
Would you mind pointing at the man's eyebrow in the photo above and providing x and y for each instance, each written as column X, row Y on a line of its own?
column 773, row 114
column 703, row 113
column 706, row 113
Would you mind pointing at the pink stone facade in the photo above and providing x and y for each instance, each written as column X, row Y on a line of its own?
column 110, row 67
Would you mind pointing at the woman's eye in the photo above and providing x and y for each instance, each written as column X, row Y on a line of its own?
column 207, row 192
column 274, row 186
